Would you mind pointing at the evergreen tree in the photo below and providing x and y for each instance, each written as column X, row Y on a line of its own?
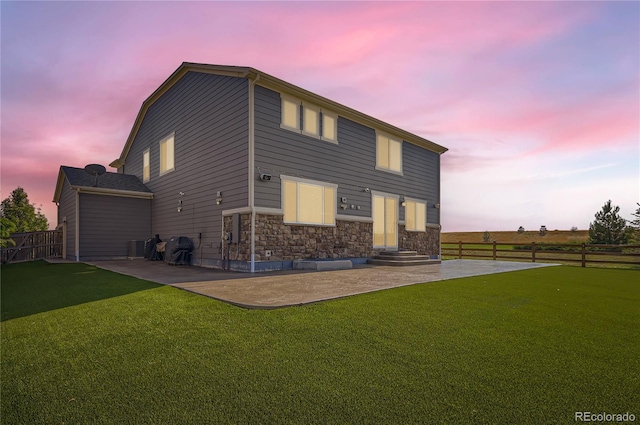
column 634, row 227
column 7, row 227
column 24, row 216
column 608, row 227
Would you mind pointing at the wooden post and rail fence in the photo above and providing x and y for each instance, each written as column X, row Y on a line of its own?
column 546, row 252
column 33, row 246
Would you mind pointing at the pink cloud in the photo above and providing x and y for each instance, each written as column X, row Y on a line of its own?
column 463, row 74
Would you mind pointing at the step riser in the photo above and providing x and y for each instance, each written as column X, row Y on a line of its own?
column 407, row 258
column 398, row 253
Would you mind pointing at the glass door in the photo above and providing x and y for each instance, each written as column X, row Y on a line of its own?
column 385, row 221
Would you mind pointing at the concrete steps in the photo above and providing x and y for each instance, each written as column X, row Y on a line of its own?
column 401, row 258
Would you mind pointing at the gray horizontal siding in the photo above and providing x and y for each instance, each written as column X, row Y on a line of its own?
column 67, row 209
column 209, row 116
column 350, row 164
column 108, row 223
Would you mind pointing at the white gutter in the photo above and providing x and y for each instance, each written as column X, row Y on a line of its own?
column 251, row 176
column 113, row 192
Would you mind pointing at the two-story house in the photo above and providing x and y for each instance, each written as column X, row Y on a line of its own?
column 259, row 172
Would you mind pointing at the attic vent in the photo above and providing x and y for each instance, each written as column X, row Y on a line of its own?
column 95, row 170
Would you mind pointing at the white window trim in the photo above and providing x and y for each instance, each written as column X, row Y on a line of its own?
column 146, row 153
column 426, row 214
column 391, row 138
column 397, row 198
column 335, row 118
column 298, row 102
column 284, row 178
column 164, row 139
column 316, row 109
column 300, row 118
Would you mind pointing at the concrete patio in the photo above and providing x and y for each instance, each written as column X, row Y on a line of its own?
column 297, row 287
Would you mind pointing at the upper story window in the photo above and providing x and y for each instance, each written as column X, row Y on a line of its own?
column 146, row 174
column 311, row 119
column 167, row 154
column 329, row 127
column 308, row 119
column 415, row 215
column 308, row 201
column 290, row 113
column 388, row 154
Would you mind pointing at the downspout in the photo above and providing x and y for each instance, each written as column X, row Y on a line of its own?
column 440, row 207
column 77, row 235
column 251, row 176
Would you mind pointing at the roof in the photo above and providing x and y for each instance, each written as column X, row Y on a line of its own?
column 268, row 81
column 107, row 184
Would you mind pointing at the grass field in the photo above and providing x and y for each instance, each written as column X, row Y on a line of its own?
column 552, row 236
column 83, row 345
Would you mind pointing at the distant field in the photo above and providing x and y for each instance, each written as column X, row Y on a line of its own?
column 552, row 236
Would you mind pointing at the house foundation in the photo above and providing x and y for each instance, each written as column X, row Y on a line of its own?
column 278, row 244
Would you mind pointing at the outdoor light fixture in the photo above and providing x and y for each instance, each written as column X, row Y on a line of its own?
column 218, row 198
column 366, row 189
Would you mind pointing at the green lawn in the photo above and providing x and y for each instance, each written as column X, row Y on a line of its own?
column 82, row 345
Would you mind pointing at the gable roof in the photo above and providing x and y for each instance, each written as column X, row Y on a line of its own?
column 106, row 184
column 270, row 82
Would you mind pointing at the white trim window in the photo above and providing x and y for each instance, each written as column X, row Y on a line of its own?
column 167, row 154
column 290, row 117
column 415, row 215
column 310, row 120
column 308, row 201
column 388, row 154
column 146, row 173
column 329, row 127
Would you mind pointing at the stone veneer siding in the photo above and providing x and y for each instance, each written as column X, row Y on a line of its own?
column 425, row 243
column 348, row 239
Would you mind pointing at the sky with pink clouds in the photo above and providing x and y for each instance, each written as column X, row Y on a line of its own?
column 538, row 102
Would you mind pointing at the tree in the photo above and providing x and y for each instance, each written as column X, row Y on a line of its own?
column 608, row 227
column 24, row 216
column 634, row 227
column 7, row 227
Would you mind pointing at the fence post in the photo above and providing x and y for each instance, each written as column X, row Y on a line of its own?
column 460, row 250
column 533, row 252
column 494, row 250
column 584, row 255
